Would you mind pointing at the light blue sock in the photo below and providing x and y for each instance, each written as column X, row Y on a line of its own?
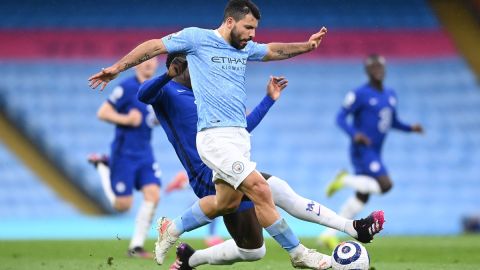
column 281, row 232
column 191, row 219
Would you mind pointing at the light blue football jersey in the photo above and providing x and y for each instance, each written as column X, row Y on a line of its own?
column 217, row 72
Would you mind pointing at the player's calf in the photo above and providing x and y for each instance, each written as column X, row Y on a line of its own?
column 385, row 183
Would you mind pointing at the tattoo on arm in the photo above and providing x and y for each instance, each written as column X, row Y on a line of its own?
column 283, row 54
column 142, row 59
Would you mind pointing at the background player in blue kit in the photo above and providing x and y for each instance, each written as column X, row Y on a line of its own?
column 373, row 107
column 217, row 60
column 173, row 102
column 131, row 163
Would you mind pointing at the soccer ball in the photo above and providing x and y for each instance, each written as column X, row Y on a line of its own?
column 350, row 255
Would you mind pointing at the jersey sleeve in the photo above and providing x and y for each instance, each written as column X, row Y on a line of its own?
column 182, row 41
column 256, row 51
column 118, row 99
column 396, row 123
column 152, row 90
column 351, row 104
column 256, row 116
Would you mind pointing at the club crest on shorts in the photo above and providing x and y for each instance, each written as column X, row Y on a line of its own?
column 237, row 167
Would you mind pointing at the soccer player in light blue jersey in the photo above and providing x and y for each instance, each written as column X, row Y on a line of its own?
column 217, row 62
column 172, row 99
column 373, row 107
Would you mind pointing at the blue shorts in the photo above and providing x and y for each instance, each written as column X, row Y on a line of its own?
column 367, row 161
column 127, row 172
column 203, row 186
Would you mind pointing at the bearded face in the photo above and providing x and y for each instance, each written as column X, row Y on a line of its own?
column 236, row 39
column 243, row 31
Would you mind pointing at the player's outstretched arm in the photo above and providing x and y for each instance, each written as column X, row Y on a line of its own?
column 397, row 124
column 151, row 89
column 281, row 51
column 274, row 89
column 107, row 113
column 418, row 128
column 141, row 53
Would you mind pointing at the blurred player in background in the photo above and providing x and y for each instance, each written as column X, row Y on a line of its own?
column 131, row 164
column 174, row 104
column 373, row 107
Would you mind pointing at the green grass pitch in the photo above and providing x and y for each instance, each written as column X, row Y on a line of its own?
column 386, row 253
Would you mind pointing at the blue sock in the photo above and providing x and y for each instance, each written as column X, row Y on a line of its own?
column 211, row 228
column 281, row 232
column 191, row 219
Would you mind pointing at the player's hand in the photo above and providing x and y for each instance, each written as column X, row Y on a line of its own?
column 134, row 118
column 275, row 86
column 417, row 128
column 316, row 38
column 103, row 77
column 177, row 67
column 360, row 138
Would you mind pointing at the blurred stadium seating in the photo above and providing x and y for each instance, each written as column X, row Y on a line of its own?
column 24, row 196
column 435, row 176
column 275, row 14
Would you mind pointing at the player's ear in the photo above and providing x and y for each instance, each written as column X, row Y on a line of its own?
column 230, row 22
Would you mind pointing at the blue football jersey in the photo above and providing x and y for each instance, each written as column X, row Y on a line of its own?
column 374, row 113
column 133, row 141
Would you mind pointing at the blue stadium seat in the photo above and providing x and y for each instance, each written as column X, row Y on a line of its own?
column 89, row 14
column 23, row 195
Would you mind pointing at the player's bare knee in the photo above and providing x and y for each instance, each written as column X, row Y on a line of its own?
column 362, row 197
column 260, row 192
column 386, row 186
column 122, row 206
column 152, row 195
column 385, row 183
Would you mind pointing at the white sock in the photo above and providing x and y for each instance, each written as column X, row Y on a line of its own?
column 143, row 222
column 296, row 251
column 225, row 253
column 305, row 209
column 352, row 207
column 362, row 183
column 104, row 172
column 349, row 210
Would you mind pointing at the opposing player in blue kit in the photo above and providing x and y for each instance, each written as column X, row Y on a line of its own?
column 131, row 163
column 373, row 107
column 173, row 103
column 217, row 63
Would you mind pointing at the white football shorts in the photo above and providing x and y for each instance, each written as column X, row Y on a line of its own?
column 226, row 150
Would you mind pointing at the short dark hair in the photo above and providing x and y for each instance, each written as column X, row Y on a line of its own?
column 238, row 9
column 172, row 56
